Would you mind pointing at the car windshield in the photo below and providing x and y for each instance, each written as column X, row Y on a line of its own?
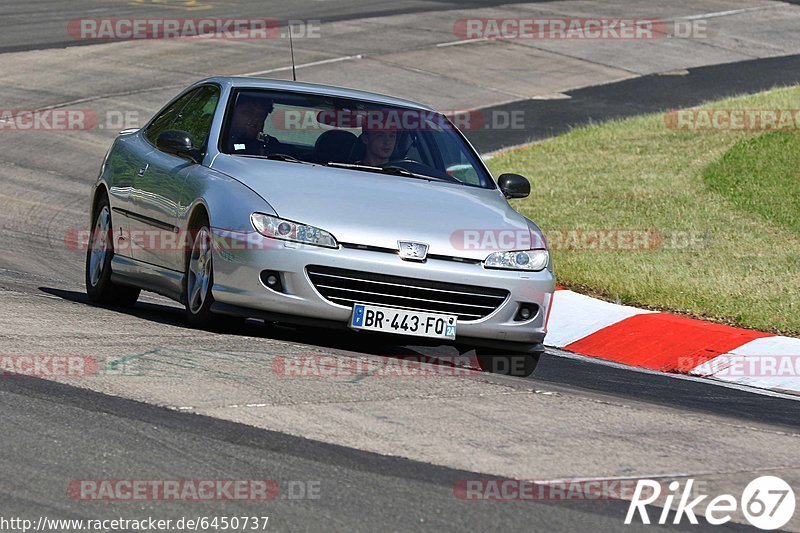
column 357, row 135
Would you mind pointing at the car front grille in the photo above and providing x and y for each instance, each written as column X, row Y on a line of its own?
column 346, row 287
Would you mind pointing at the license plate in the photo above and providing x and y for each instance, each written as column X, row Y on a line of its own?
column 403, row 321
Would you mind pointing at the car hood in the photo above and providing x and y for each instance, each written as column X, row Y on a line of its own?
column 364, row 208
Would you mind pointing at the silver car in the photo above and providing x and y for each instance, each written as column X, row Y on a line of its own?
column 315, row 205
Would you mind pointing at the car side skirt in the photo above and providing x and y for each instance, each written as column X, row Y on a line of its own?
column 133, row 273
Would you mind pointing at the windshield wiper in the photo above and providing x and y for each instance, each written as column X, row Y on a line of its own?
column 393, row 170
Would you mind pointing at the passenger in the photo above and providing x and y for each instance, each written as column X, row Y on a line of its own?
column 247, row 135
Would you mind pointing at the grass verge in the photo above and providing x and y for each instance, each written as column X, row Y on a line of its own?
column 721, row 209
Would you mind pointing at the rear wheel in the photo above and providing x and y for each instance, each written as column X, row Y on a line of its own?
column 509, row 364
column 99, row 254
column 199, row 276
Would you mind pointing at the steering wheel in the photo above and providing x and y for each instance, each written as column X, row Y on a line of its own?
column 420, row 168
column 397, row 162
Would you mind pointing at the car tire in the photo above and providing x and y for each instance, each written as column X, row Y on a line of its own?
column 99, row 253
column 508, row 364
column 199, row 275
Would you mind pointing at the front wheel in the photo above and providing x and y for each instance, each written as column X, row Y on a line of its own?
column 99, row 254
column 508, row 364
column 199, row 277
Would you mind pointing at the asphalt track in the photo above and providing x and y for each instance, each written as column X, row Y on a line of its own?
column 379, row 471
column 638, row 96
column 41, row 25
column 359, row 491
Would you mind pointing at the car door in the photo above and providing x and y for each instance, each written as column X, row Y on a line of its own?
column 138, row 163
column 159, row 182
column 123, row 162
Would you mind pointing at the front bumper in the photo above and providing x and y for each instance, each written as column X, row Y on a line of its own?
column 238, row 287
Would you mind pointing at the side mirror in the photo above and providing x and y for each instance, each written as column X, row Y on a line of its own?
column 178, row 143
column 514, row 186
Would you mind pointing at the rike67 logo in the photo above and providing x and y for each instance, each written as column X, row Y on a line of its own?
column 767, row 503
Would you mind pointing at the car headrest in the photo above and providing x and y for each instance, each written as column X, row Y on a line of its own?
column 335, row 145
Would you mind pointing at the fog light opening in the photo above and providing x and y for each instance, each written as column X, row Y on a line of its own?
column 272, row 280
column 526, row 312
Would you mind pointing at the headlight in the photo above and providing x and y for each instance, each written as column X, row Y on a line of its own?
column 529, row 260
column 286, row 230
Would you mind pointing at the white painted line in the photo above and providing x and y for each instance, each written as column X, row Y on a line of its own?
column 465, row 41
column 553, row 96
column 727, row 13
column 304, row 65
column 678, row 72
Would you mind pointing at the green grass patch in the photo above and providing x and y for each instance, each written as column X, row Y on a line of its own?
column 725, row 204
column 762, row 175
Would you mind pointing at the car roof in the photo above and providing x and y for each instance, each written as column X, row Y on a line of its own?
column 241, row 82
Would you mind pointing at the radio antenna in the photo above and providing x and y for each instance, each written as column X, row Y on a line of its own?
column 291, row 47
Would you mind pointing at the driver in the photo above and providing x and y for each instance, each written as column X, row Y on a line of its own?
column 247, row 135
column 380, row 143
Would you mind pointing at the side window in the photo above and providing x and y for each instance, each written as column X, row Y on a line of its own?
column 164, row 121
column 196, row 117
